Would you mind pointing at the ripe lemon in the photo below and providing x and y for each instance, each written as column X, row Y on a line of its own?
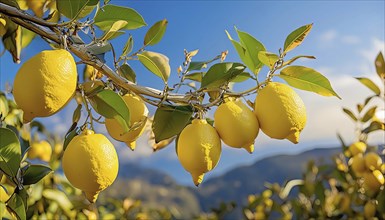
column 373, row 161
column 357, row 164
column 236, row 124
column 373, row 180
column 45, row 83
column 199, row 149
column 357, row 148
column 280, row 111
column 138, row 114
column 41, row 150
column 90, row 163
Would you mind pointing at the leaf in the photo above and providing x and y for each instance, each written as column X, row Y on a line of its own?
column 10, row 152
column 252, row 47
column 111, row 105
column 26, row 37
column 197, row 76
column 307, row 79
column 109, row 14
column 370, row 84
column 114, row 30
column 380, row 66
column 197, row 65
column 295, row 38
column 267, row 58
column 127, row 72
column 71, row 133
column 374, row 126
column 34, row 173
column 296, row 58
column 16, row 206
column 99, row 48
column 156, row 63
column 12, row 39
column 128, row 46
column 350, row 114
column 220, row 73
column 77, row 113
column 73, row 9
column 241, row 77
column 170, row 120
column 369, row 114
column 155, row 33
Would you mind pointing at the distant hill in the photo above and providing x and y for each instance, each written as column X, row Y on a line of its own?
column 157, row 189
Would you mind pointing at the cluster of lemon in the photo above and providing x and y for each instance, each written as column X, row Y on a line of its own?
column 279, row 112
column 367, row 166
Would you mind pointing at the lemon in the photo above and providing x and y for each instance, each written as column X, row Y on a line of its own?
column 357, row 148
column 369, row 209
column 199, row 149
column 138, row 117
column 373, row 161
column 90, row 163
column 357, row 164
column 236, row 124
column 280, row 111
column 45, row 83
column 41, row 150
column 373, row 180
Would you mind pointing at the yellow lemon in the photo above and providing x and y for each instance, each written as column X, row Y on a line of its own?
column 280, row 111
column 357, row 148
column 236, row 124
column 373, row 161
column 90, row 163
column 198, row 149
column 373, row 180
column 357, row 164
column 369, row 209
column 138, row 117
column 41, row 150
column 45, row 83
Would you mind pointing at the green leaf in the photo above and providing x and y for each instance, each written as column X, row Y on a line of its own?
column 99, row 48
column 369, row 114
column 10, row 152
column 374, row 126
column 34, row 173
column 26, row 37
column 296, row 58
column 370, row 84
column 71, row 133
column 16, row 205
column 114, row 30
column 156, row 63
column 350, row 114
column 197, row 65
column 109, row 14
column 295, row 38
column 268, row 58
column 221, row 73
column 252, row 47
column 155, row 33
column 77, row 113
column 170, row 120
column 127, row 72
column 241, row 77
column 197, row 76
column 128, row 46
column 307, row 79
column 72, row 9
column 111, row 105
column 380, row 66
column 12, row 39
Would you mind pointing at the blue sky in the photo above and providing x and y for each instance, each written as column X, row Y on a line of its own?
column 346, row 37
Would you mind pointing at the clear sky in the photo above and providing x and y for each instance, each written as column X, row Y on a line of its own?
column 346, row 37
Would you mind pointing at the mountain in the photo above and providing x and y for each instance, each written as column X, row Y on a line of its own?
column 158, row 190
